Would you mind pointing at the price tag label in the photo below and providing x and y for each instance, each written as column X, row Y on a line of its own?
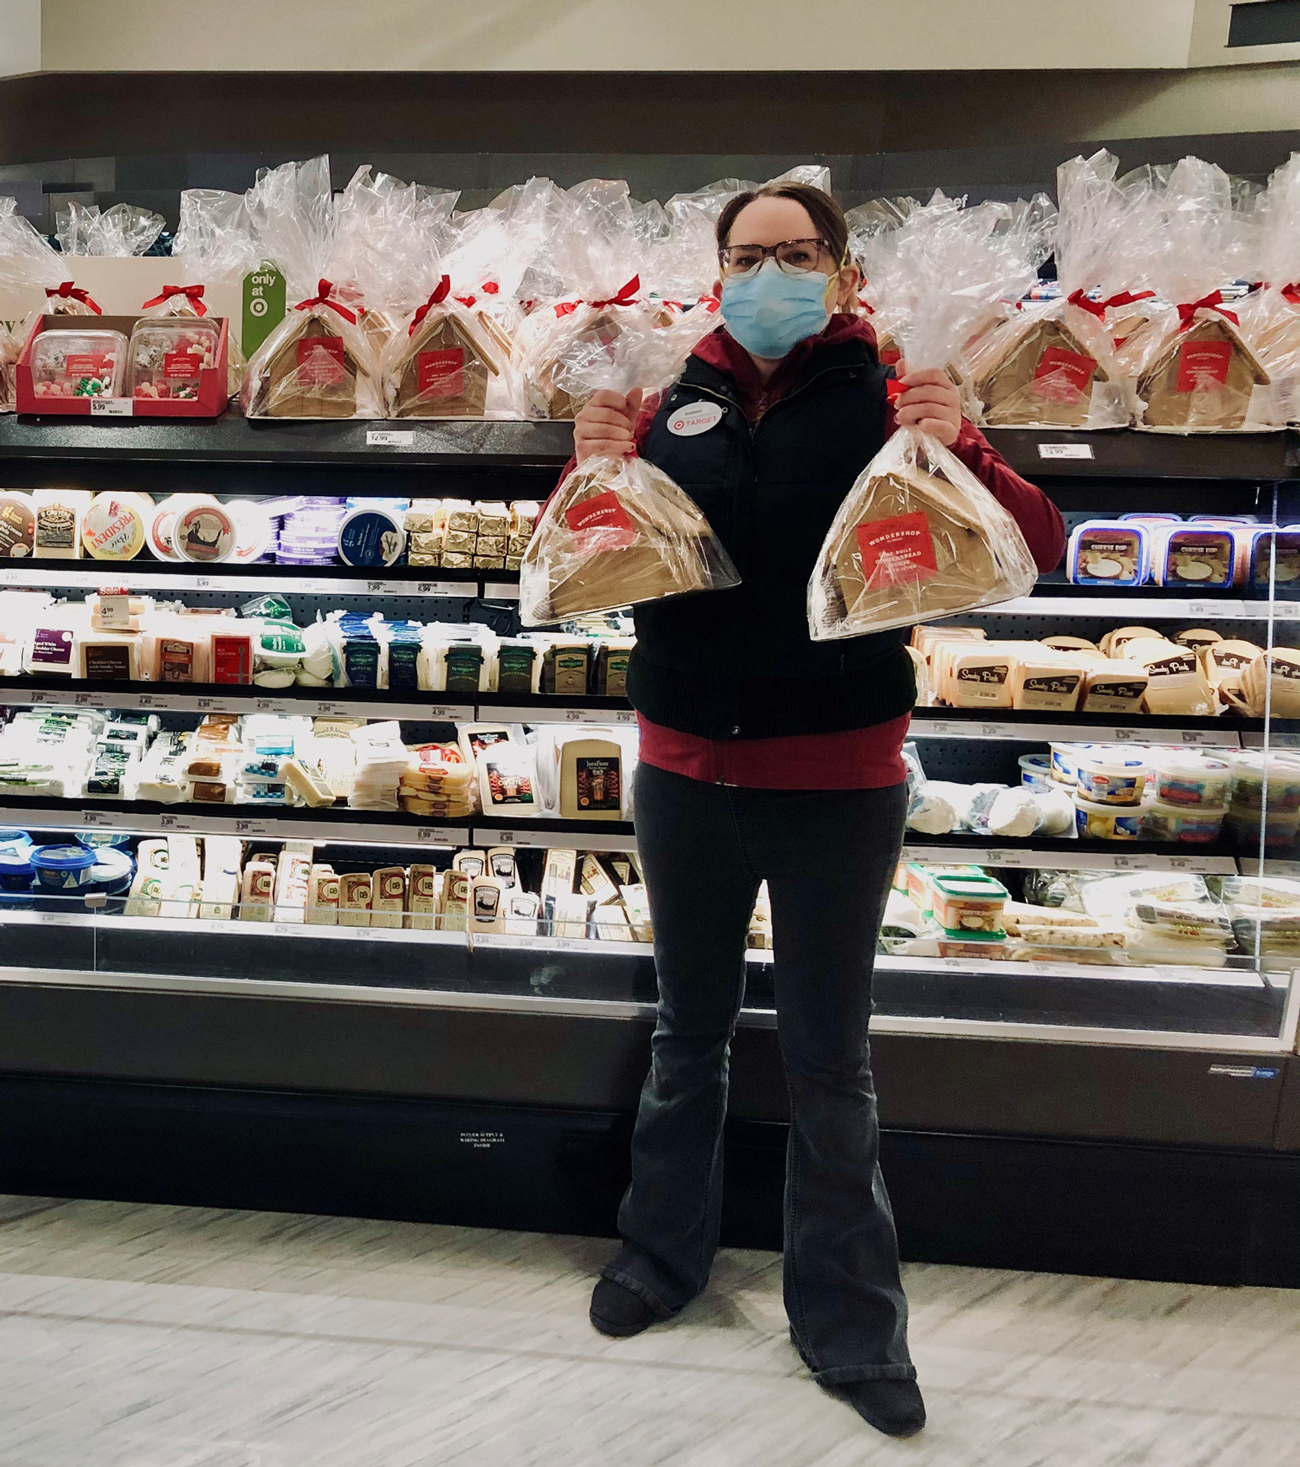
column 625, row 715
column 375, row 588
column 390, row 438
column 440, row 588
column 39, row 696
column 1285, row 611
column 95, row 817
column 203, row 704
column 1125, row 863
column 1065, row 450
column 112, row 407
column 251, row 827
column 446, row 712
column 175, row 822
column 201, row 583
column 83, row 700
column 1195, row 736
column 328, row 710
column 144, row 700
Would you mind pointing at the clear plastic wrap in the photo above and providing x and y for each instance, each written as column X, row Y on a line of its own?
column 619, row 531
column 1271, row 315
column 1053, row 365
column 919, row 536
column 1197, row 368
column 318, row 362
column 119, row 232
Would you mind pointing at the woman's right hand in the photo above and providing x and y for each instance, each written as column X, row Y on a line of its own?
column 606, row 425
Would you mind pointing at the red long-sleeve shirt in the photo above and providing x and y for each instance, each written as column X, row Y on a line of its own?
column 864, row 758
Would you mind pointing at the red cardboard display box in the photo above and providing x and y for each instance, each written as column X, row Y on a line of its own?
column 91, row 378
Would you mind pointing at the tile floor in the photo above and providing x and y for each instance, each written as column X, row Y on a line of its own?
column 136, row 1336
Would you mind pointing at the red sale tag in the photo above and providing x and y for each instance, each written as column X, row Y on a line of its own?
column 320, row 362
column 181, row 364
column 600, row 523
column 897, row 551
column 1203, row 365
column 441, row 373
column 1063, row 376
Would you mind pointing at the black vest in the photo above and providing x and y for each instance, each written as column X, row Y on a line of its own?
column 740, row 663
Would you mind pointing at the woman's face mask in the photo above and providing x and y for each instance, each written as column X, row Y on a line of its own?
column 768, row 311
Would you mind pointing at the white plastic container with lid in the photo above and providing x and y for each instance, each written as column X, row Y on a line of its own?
column 1109, row 776
column 372, row 535
column 1188, row 823
column 1190, row 779
column 1106, row 822
column 162, row 522
column 1249, row 789
column 1065, row 761
column 17, row 525
column 252, row 530
column 204, row 533
column 116, row 525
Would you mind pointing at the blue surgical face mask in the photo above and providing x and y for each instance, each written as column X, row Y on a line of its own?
column 769, row 311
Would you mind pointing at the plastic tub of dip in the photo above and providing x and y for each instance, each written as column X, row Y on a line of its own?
column 93, row 840
column 110, row 877
column 1036, row 771
column 1248, row 786
column 1065, row 761
column 62, row 868
column 15, row 875
column 1107, row 776
column 1106, row 822
column 1191, row 779
column 1187, row 823
column 1281, row 827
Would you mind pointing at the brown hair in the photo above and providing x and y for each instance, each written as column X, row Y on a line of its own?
column 826, row 215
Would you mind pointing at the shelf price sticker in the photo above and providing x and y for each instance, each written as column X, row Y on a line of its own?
column 441, row 588
column 96, row 817
column 447, row 712
column 390, row 438
column 175, row 822
column 1065, row 450
column 112, row 407
column 252, row 827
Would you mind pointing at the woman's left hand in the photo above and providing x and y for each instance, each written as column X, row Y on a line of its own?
column 930, row 402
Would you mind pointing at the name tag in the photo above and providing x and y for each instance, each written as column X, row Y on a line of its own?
column 695, row 417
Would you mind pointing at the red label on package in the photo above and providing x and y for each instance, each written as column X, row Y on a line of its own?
column 897, row 551
column 600, row 523
column 890, row 356
column 441, row 373
column 320, row 362
column 1063, row 376
column 1203, row 365
column 88, row 364
column 180, row 364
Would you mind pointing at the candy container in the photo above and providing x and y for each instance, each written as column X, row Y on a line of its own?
column 67, row 364
column 168, row 354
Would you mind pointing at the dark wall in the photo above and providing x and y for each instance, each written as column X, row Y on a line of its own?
column 110, row 136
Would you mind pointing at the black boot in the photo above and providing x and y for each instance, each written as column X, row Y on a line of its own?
column 892, row 1406
column 618, row 1312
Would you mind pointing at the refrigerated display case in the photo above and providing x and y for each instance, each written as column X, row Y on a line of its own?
column 524, row 1049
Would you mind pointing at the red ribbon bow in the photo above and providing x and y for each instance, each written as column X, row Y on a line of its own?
column 490, row 287
column 440, row 294
column 567, row 308
column 625, row 297
column 194, row 294
column 710, row 303
column 467, row 301
column 1099, row 308
column 1292, row 293
column 70, row 292
column 324, row 289
column 1211, row 302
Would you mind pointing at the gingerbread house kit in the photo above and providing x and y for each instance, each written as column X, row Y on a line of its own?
column 1201, row 377
column 441, row 364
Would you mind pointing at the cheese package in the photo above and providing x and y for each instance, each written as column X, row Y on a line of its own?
column 508, row 780
column 591, row 779
column 1199, row 639
column 17, row 524
column 609, row 922
column 978, row 675
column 1108, row 553
column 637, row 905
column 292, row 881
column 522, row 908
column 1224, row 662
column 1194, row 555
column 109, row 656
column 257, row 892
column 471, row 863
column 455, row 901
column 388, row 901
column 115, row 525
column 323, row 892
column 1176, row 682
column 501, row 862
column 557, row 878
column 1114, row 642
column 571, row 913
column 1046, row 682
column 356, row 892
column 221, row 884
column 594, row 881
column 487, row 904
column 57, row 530
column 1115, row 686
column 1271, row 684
column 1069, row 644
column 422, row 898
column 308, row 784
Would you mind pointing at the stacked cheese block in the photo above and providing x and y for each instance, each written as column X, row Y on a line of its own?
column 67, row 754
column 488, row 535
column 1132, row 670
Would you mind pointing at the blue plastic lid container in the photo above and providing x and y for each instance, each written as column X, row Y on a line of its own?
column 62, row 868
column 111, row 874
column 15, row 869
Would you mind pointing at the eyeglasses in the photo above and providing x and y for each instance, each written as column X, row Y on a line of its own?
column 793, row 256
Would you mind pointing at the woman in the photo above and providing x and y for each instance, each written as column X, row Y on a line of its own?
column 765, row 756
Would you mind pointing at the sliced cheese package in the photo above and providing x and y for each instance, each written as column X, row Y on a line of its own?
column 1176, row 682
column 917, row 538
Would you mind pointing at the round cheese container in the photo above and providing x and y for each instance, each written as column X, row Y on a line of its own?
column 17, row 525
column 62, row 868
column 1036, row 771
column 1109, row 777
column 371, row 536
column 204, row 533
column 162, row 523
column 111, row 875
column 252, row 530
column 1191, row 779
column 94, row 840
column 116, row 525
column 1065, row 761
column 1106, row 822
column 1189, row 823
column 1283, row 786
column 1280, row 828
